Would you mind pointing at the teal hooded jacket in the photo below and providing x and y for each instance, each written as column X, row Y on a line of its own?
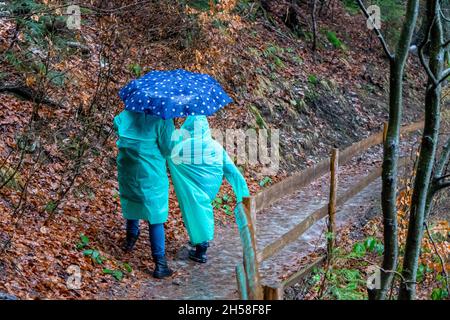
column 143, row 144
column 198, row 165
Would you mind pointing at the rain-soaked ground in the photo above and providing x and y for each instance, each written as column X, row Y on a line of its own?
column 216, row 279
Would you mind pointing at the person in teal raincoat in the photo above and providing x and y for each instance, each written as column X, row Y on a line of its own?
column 197, row 166
column 143, row 145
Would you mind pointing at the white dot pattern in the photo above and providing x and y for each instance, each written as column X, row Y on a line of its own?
column 172, row 94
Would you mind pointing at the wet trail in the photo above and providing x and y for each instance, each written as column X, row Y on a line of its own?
column 216, row 279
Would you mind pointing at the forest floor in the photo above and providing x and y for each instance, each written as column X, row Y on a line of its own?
column 61, row 208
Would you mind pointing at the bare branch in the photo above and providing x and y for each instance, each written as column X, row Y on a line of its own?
column 444, row 271
column 13, row 174
column 445, row 155
column 446, row 44
column 421, row 56
column 443, row 177
column 445, row 75
column 377, row 32
column 444, row 17
column 96, row 10
column 441, row 185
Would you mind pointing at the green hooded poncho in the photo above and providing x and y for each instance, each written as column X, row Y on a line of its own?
column 198, row 165
column 144, row 142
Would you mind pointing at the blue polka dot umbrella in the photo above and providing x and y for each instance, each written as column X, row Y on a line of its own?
column 174, row 94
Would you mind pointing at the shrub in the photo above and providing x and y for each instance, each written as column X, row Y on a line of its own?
column 334, row 40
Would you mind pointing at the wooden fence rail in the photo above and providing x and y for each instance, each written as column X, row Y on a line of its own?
column 248, row 272
column 303, row 178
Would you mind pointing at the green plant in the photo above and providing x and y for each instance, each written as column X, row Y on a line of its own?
column 226, row 198
column 15, row 61
column 84, row 241
column 117, row 274
column 261, row 123
column 359, row 250
column 95, row 255
column 312, row 79
column 351, row 6
column 127, row 267
column 220, row 203
column 329, row 236
column 273, row 52
column 217, row 203
column 57, row 78
column 438, row 237
column 342, row 284
column 248, row 8
column 311, row 95
column 23, row 7
column 42, row 32
column 333, row 39
column 439, row 294
column 227, row 209
column 422, row 270
column 135, row 69
column 347, row 284
column 279, row 62
column 370, row 244
column 50, row 206
column 265, row 181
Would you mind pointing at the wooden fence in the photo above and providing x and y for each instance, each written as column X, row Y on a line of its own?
column 247, row 273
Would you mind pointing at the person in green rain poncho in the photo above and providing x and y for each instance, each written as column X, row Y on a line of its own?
column 197, row 166
column 143, row 144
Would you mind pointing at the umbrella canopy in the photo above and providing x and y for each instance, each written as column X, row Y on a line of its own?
column 173, row 94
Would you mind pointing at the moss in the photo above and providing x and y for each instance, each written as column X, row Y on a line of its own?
column 258, row 117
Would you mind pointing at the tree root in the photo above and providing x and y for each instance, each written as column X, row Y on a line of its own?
column 28, row 93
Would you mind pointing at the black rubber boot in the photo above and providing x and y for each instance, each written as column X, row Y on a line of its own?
column 162, row 270
column 199, row 254
column 130, row 242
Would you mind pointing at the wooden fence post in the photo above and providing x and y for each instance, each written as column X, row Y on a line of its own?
column 385, row 130
column 334, row 167
column 273, row 293
column 245, row 222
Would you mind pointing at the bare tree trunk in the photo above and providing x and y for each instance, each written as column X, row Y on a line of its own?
column 314, row 24
column 435, row 184
column 391, row 145
column 427, row 155
column 445, row 6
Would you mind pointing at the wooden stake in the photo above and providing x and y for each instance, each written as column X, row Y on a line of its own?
column 334, row 167
column 273, row 293
column 385, row 130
